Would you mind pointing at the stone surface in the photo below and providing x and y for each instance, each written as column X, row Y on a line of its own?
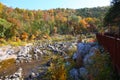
column 83, row 49
column 83, row 59
column 75, row 74
column 83, row 73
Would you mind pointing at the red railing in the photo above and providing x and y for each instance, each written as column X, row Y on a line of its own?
column 112, row 45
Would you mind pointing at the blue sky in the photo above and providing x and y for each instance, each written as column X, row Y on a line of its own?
column 50, row 4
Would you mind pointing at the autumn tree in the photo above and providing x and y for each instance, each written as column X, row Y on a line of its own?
column 37, row 23
column 74, row 23
column 91, row 24
column 1, row 8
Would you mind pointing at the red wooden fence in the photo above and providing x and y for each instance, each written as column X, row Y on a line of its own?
column 112, row 45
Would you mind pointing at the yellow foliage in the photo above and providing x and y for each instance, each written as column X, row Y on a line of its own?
column 17, row 39
column 83, row 23
column 24, row 36
column 51, row 11
column 58, row 72
column 13, row 38
column 1, row 7
column 2, row 40
column 4, row 65
column 32, row 37
column 57, row 69
column 64, row 19
column 90, row 20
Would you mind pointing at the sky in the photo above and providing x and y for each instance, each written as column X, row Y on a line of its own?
column 50, row 4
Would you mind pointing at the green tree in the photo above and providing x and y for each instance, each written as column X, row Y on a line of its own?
column 4, row 25
column 113, row 15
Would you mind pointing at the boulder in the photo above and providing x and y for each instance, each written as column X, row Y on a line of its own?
column 87, row 59
column 83, row 73
column 75, row 74
column 83, row 49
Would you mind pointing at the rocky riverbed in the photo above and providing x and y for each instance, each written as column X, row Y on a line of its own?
column 34, row 61
column 31, row 58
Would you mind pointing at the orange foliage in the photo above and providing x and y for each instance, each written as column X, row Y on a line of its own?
column 24, row 36
column 83, row 23
column 64, row 19
column 9, row 10
column 15, row 22
column 90, row 20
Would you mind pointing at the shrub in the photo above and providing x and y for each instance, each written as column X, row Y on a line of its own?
column 2, row 40
column 101, row 69
column 57, row 69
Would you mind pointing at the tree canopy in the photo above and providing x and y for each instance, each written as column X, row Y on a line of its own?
column 113, row 15
column 26, row 24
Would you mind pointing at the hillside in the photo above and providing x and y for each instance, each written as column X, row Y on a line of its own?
column 96, row 12
column 55, row 44
column 36, row 24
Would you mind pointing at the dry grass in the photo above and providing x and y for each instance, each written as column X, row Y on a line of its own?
column 7, row 67
column 101, row 69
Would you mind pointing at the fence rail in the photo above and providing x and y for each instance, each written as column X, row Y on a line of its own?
column 112, row 45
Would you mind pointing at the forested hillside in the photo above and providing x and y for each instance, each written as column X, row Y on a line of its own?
column 97, row 12
column 22, row 24
column 59, row 44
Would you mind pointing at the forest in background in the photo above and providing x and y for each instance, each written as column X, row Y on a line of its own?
column 21, row 24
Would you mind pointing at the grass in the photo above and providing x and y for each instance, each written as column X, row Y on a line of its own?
column 58, row 69
column 55, row 38
column 102, row 68
column 17, row 43
column 12, row 43
column 62, row 38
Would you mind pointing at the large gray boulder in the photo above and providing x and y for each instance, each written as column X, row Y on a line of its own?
column 83, row 73
column 83, row 49
column 87, row 59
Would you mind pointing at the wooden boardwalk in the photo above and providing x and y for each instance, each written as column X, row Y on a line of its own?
column 112, row 45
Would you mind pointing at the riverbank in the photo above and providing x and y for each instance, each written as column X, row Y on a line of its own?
column 59, row 51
